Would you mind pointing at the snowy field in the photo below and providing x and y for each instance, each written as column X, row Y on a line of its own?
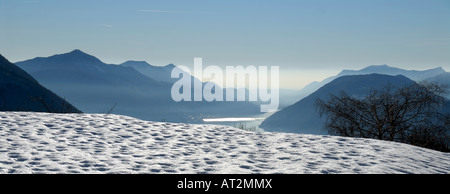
column 97, row 143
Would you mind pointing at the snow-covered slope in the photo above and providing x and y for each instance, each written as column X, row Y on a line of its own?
column 97, row 143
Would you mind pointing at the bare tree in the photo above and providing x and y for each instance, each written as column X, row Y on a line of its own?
column 49, row 105
column 411, row 114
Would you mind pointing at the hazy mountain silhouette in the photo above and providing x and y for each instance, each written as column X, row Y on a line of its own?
column 303, row 117
column 155, row 72
column 95, row 87
column 163, row 74
column 443, row 78
column 77, row 67
column 378, row 69
column 21, row 92
column 387, row 70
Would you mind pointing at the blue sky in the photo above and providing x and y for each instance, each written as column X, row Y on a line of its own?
column 308, row 39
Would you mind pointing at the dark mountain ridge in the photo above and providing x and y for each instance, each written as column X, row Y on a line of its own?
column 21, row 92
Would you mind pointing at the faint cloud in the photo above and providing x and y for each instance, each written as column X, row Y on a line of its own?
column 106, row 25
column 161, row 11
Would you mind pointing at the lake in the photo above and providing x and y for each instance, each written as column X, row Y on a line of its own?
column 247, row 123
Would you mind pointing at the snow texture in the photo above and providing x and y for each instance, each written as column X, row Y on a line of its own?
column 98, row 143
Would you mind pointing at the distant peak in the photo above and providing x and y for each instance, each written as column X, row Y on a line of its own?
column 439, row 69
column 132, row 63
column 141, row 62
column 384, row 66
column 76, row 57
column 77, row 51
column 170, row 66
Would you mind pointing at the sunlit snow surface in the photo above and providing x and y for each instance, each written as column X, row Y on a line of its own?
column 97, row 143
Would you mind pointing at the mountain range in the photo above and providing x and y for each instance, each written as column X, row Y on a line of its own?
column 21, row 92
column 139, row 89
column 132, row 88
column 155, row 72
column 378, row 69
